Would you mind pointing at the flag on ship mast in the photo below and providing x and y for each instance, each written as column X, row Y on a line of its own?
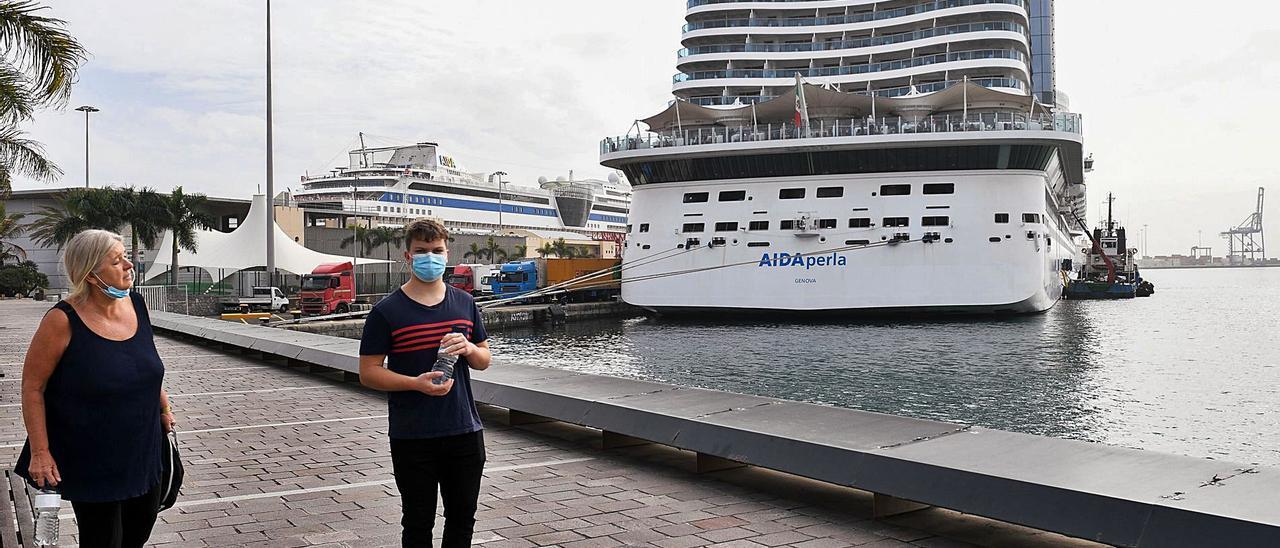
column 802, row 108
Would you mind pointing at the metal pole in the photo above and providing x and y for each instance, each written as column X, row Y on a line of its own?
column 355, row 241
column 86, row 149
column 271, row 206
column 86, row 109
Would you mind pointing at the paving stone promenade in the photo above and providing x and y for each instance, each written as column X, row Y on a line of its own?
column 282, row 457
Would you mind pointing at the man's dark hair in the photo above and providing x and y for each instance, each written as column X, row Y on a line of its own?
column 424, row 230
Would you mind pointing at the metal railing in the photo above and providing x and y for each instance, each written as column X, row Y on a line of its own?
column 854, row 69
column 1068, row 122
column 854, row 44
column 1011, row 83
column 844, row 19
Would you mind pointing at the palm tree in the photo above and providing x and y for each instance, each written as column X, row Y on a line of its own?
column 10, row 229
column 474, row 252
column 546, row 249
column 144, row 211
column 74, row 211
column 520, row 252
column 183, row 214
column 493, row 250
column 37, row 70
column 385, row 236
column 563, row 250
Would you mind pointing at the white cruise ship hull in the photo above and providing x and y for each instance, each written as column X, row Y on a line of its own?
column 976, row 265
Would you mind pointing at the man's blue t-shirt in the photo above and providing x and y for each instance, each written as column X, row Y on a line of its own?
column 409, row 333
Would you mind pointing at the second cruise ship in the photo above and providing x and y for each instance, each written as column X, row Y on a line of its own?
column 856, row 156
column 398, row 183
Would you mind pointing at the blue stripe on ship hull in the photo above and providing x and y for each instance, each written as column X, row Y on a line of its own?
column 608, row 218
column 394, row 198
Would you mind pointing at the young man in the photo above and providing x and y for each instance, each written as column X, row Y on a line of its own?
column 436, row 436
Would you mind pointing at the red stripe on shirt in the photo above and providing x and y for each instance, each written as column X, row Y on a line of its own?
column 423, row 326
column 435, row 344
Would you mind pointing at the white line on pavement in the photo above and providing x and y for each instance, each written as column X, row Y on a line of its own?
column 177, row 371
column 346, row 486
column 239, row 392
column 251, row 427
column 227, row 393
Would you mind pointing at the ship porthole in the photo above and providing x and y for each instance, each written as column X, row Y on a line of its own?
column 822, row 239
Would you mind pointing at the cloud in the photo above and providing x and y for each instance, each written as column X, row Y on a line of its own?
column 1177, row 103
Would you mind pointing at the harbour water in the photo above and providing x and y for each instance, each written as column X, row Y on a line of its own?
column 1193, row 370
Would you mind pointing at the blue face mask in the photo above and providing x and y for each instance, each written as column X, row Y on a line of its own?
column 428, row 267
column 112, row 291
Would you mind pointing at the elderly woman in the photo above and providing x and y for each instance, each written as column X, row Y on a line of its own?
column 92, row 399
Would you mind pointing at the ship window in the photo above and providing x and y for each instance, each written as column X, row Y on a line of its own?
column 726, row 227
column 733, row 196
column 896, row 222
column 695, row 197
column 856, row 242
column 693, row 227
column 1002, row 217
column 994, row 239
column 895, row 190
column 939, row 188
column 860, row 222
column 757, row 244
column 644, row 227
column 830, row 191
column 628, row 229
column 791, row 193
column 826, row 223
column 1030, row 217
column 788, row 224
column 758, row 225
column 935, row 221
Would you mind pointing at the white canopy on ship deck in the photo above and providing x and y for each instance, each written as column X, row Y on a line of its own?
column 826, row 103
column 243, row 248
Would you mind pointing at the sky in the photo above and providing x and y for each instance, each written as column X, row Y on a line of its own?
column 1178, row 104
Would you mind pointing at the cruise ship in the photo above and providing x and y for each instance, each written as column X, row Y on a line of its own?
column 856, row 156
column 398, row 183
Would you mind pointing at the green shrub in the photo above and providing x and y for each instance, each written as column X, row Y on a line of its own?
column 18, row 280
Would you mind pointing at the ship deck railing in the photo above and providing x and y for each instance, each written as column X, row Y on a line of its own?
column 848, row 127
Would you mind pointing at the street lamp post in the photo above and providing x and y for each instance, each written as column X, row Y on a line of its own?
column 499, row 175
column 271, row 205
column 86, row 109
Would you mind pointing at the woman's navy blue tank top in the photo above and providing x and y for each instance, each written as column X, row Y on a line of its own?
column 102, row 413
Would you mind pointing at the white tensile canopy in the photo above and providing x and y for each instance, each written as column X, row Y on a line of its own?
column 827, row 103
column 243, row 248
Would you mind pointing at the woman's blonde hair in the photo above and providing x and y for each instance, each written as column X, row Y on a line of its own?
column 83, row 254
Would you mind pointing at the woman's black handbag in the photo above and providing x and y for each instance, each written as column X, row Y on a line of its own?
column 171, row 471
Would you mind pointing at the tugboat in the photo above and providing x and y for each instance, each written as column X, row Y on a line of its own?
column 1110, row 270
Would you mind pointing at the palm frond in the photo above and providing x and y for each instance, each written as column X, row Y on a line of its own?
column 24, row 156
column 42, row 48
column 16, row 103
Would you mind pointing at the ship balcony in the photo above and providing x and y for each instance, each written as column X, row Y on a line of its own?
column 781, row 75
column 1007, row 26
column 768, row 22
column 853, row 127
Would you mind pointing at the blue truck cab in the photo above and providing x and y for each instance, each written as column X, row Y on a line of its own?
column 516, row 278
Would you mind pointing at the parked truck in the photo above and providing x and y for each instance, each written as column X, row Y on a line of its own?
column 520, row 277
column 327, row 290
column 262, row 299
column 470, row 278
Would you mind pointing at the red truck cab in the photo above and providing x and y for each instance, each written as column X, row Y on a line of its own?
column 463, row 277
column 327, row 290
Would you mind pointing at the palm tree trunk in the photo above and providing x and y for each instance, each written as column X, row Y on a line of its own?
column 173, row 263
column 133, row 257
column 388, row 267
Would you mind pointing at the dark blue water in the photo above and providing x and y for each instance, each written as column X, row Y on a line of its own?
column 1193, row 370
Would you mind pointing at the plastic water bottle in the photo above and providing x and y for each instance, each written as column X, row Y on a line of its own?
column 47, row 504
column 446, row 361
